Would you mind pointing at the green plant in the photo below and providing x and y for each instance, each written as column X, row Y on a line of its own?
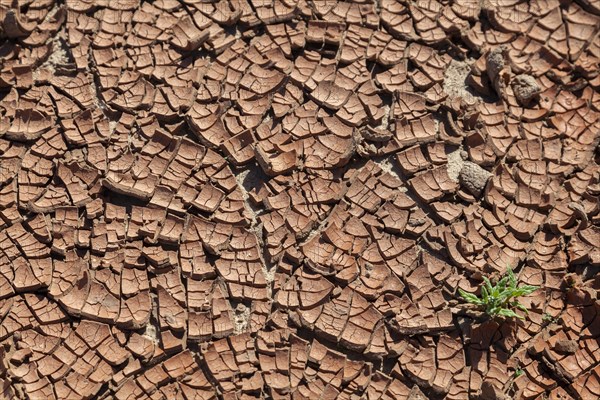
column 518, row 372
column 499, row 300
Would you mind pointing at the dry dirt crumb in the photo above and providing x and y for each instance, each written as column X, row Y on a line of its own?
column 496, row 61
column 455, row 80
column 526, row 89
column 455, row 164
column 473, row 177
column 241, row 318
column 151, row 333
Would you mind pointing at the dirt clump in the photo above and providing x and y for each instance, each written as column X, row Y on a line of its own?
column 526, row 89
column 473, row 177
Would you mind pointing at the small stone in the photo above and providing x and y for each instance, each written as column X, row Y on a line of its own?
column 473, row 177
column 495, row 62
column 526, row 89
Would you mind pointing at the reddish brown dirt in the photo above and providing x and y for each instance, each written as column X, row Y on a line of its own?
column 239, row 199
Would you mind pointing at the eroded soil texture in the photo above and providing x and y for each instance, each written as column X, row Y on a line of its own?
column 279, row 199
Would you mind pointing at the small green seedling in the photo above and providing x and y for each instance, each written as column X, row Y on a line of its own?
column 547, row 317
column 499, row 300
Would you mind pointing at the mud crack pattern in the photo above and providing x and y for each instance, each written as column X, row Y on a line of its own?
column 240, row 199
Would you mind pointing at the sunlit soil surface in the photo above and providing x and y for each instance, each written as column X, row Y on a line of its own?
column 279, row 199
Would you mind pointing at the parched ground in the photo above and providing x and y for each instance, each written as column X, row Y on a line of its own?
column 279, row 199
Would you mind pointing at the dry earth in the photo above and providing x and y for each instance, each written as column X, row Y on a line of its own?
column 242, row 199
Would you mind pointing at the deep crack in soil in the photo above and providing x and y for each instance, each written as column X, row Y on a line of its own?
column 279, row 199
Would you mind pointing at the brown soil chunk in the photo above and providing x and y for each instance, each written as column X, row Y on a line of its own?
column 280, row 199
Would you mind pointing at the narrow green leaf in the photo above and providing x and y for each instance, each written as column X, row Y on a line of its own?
column 504, row 297
column 502, row 284
column 491, row 309
column 487, row 283
column 505, row 312
column 521, row 307
column 469, row 297
column 484, row 294
column 524, row 291
column 511, row 277
column 518, row 373
column 529, row 288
